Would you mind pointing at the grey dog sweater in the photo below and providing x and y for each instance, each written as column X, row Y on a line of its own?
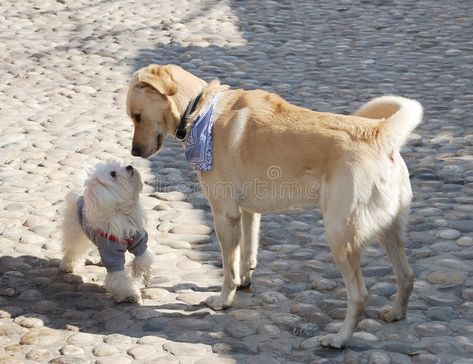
column 112, row 250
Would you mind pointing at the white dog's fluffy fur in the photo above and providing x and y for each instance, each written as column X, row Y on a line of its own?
column 111, row 201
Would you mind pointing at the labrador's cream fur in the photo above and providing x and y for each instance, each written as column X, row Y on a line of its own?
column 349, row 166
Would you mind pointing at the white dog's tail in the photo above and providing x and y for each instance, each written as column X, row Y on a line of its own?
column 401, row 117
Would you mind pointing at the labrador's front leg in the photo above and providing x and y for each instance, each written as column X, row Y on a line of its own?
column 227, row 226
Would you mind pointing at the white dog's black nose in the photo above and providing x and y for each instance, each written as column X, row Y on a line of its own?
column 129, row 169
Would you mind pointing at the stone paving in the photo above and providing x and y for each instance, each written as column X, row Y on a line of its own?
column 65, row 66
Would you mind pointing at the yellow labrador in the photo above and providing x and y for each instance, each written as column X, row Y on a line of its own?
column 275, row 156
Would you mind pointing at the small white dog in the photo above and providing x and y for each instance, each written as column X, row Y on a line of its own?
column 109, row 215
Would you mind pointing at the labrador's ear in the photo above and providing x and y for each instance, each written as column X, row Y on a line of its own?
column 158, row 77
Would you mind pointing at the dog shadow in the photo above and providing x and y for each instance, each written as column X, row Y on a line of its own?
column 32, row 287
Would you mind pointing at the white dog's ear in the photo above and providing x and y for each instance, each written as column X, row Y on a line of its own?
column 158, row 77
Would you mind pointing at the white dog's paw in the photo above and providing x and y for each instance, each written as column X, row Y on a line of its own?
column 335, row 341
column 216, row 303
column 142, row 267
column 130, row 298
column 67, row 266
column 391, row 314
column 122, row 288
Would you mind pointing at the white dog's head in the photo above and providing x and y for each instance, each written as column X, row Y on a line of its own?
column 112, row 188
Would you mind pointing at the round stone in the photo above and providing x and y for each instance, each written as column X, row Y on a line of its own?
column 269, row 330
column 378, row 357
column 115, row 359
column 310, row 344
column 446, row 278
column 285, row 319
column 365, row 336
column 109, row 314
column 272, row 297
column 144, row 313
column 426, row 359
column 467, row 294
column 156, row 341
column 40, row 336
column 430, row 211
column 305, row 330
column 179, row 244
column 115, row 339
column 323, row 284
column 104, row 350
column 191, row 229
column 463, row 361
column 465, row 241
column 309, row 297
column 191, row 324
column 139, row 352
column 456, row 264
column 170, row 196
column 440, row 299
column 383, row 289
column 448, row 234
column 237, row 329
column 39, row 355
column 30, row 295
column 69, row 360
column 245, row 314
column 298, row 225
column 31, row 238
column 212, row 360
column 432, row 329
column 4, row 314
column 370, row 325
column 192, row 298
column 187, row 349
column 158, row 294
column 71, row 350
column 442, row 313
column 81, row 339
column 28, row 322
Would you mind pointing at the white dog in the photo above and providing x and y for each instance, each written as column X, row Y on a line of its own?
column 109, row 215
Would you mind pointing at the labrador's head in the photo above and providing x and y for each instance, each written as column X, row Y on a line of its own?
column 157, row 97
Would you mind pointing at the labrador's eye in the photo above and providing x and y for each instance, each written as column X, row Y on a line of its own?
column 113, row 174
column 137, row 118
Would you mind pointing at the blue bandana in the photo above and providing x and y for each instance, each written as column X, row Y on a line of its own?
column 199, row 141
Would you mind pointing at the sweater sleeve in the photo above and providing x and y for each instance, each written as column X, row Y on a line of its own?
column 140, row 243
column 112, row 254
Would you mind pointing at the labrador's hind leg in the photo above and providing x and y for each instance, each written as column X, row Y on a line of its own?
column 393, row 243
column 346, row 253
column 250, row 223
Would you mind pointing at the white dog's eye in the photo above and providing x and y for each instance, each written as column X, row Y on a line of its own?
column 113, row 174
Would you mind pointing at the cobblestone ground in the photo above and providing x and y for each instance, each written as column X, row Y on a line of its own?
column 65, row 66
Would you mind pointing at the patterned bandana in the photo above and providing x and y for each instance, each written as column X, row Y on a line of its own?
column 199, row 141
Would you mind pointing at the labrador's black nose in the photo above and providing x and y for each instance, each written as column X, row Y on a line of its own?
column 129, row 168
column 136, row 151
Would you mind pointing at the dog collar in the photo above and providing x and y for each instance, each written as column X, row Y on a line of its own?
column 181, row 132
column 113, row 238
